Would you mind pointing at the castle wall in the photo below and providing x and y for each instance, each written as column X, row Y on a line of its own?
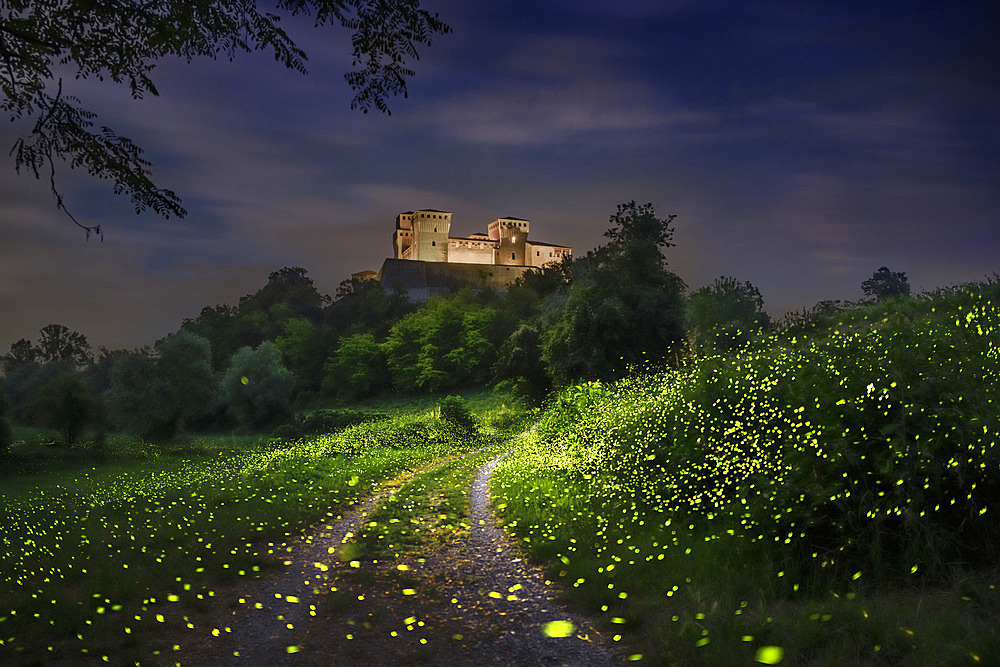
column 423, row 280
column 540, row 255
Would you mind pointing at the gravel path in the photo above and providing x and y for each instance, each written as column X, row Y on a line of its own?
column 489, row 556
column 276, row 610
column 476, row 601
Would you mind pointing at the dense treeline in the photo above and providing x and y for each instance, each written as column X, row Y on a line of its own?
column 289, row 347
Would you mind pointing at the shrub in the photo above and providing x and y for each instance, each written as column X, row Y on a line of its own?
column 67, row 404
column 5, row 435
column 454, row 411
column 329, row 421
column 257, row 387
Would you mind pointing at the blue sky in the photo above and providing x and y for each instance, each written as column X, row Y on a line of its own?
column 801, row 145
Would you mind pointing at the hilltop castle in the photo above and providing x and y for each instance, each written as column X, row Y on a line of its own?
column 427, row 260
column 424, row 236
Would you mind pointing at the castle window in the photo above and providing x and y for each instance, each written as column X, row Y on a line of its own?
column 538, row 253
column 435, row 229
column 434, row 243
column 512, row 255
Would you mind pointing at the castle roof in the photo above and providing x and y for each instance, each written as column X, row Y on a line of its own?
column 433, row 210
column 551, row 245
column 511, row 217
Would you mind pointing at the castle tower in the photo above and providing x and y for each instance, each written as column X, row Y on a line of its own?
column 422, row 235
column 402, row 238
column 512, row 234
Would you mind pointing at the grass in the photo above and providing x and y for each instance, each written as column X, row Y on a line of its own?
column 827, row 495
column 97, row 560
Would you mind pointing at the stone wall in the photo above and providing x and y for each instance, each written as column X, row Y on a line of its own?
column 423, row 280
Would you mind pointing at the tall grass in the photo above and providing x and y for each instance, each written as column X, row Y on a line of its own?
column 798, row 494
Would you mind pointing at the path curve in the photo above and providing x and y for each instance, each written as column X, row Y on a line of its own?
column 501, row 566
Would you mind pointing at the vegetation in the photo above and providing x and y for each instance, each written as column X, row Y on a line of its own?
column 623, row 307
column 122, row 41
column 725, row 315
column 140, row 546
column 885, row 284
column 826, row 495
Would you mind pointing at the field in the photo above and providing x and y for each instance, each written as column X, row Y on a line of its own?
column 120, row 561
column 825, row 496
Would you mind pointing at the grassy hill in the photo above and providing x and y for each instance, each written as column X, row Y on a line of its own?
column 827, row 495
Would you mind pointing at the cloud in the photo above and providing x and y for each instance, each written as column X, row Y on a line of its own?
column 541, row 113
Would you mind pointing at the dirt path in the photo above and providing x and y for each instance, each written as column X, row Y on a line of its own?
column 474, row 601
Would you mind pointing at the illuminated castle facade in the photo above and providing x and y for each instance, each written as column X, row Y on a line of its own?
column 424, row 236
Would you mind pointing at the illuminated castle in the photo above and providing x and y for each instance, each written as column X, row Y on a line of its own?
column 426, row 260
column 424, row 236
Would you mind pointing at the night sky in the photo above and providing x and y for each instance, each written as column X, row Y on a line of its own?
column 801, row 144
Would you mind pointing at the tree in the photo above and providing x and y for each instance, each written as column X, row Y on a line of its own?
column 357, row 368
column 885, row 284
column 5, row 435
column 123, row 40
column 59, row 343
column 722, row 315
column 67, row 404
column 135, row 398
column 257, row 387
column 56, row 343
column 303, row 346
column 450, row 342
column 184, row 371
column 623, row 306
column 519, row 365
column 22, row 352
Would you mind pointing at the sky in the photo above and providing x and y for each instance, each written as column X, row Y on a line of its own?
column 801, row 145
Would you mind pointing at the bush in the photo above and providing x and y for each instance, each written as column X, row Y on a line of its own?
column 67, row 404
column 257, row 387
column 287, row 432
column 329, row 421
column 5, row 435
column 454, row 411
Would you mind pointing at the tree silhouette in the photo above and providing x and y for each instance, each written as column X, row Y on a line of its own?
column 885, row 284
column 122, row 40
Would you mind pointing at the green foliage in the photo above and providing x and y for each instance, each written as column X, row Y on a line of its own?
column 724, row 315
column 331, row 421
column 885, row 284
column 453, row 410
column 136, row 395
column 160, row 396
column 185, row 376
column 519, row 365
column 303, row 344
column 65, row 403
column 451, row 342
column 624, row 308
column 830, row 474
column 357, row 368
column 257, row 388
column 571, row 428
column 287, row 310
column 5, row 431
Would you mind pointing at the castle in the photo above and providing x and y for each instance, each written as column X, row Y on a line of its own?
column 427, row 260
column 424, row 236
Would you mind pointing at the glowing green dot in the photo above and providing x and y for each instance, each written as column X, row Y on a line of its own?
column 558, row 629
column 770, row 655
